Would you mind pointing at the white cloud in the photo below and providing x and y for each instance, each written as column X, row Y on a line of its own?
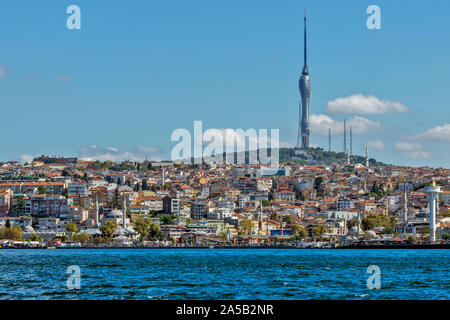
column 140, row 153
column 287, row 144
column 26, row 158
column 412, row 150
column 419, row 154
column 440, row 133
column 407, row 146
column 320, row 123
column 360, row 104
column 147, row 150
column 375, row 144
column 252, row 141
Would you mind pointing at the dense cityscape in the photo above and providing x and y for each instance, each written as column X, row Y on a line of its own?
column 64, row 202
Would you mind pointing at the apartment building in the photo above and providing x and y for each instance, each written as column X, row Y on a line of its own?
column 5, row 202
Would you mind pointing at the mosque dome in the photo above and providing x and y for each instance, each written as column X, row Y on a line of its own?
column 371, row 233
column 114, row 214
column 28, row 229
column 354, row 230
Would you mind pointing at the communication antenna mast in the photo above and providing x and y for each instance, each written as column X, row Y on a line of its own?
column 345, row 138
column 329, row 139
column 351, row 142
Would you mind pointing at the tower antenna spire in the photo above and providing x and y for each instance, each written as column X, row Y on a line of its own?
column 305, row 38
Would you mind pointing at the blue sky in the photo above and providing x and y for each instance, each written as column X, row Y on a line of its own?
column 137, row 70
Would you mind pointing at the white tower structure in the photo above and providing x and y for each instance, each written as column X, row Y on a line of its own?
column 433, row 193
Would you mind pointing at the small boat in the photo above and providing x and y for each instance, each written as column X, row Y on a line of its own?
column 211, row 247
column 51, row 247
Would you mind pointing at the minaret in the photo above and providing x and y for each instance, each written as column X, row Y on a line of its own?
column 367, row 156
column 124, row 213
column 260, row 217
column 96, row 209
column 163, row 178
column 405, row 207
column 305, row 93
column 358, row 224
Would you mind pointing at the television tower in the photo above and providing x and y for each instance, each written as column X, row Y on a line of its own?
column 305, row 93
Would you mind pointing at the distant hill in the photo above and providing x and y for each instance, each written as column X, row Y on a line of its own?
column 320, row 156
column 313, row 156
column 308, row 156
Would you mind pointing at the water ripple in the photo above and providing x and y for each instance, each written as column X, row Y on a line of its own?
column 224, row 274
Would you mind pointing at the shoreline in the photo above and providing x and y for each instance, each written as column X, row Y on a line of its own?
column 413, row 246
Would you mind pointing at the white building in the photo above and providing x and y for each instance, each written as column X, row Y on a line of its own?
column 392, row 202
column 242, row 200
column 345, row 203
